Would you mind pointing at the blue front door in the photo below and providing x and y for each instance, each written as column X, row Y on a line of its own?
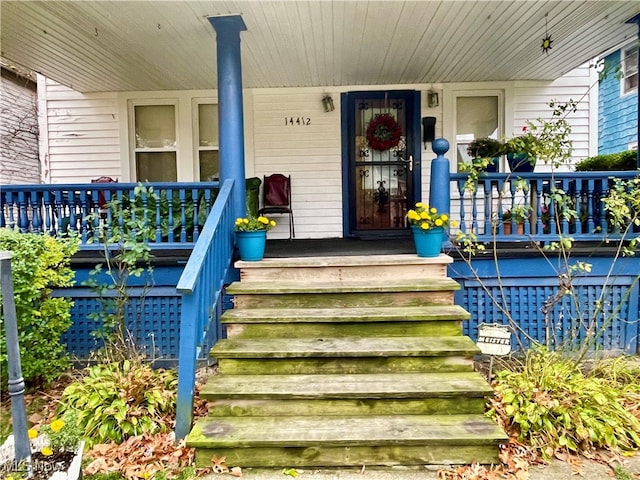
column 381, row 161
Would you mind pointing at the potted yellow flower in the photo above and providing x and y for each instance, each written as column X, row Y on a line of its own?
column 251, row 237
column 428, row 226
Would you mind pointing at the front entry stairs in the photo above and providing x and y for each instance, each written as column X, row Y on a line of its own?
column 345, row 361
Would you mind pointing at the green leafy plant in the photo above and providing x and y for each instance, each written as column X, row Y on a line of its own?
column 517, row 213
column 527, row 144
column 61, row 434
column 126, row 252
column 39, row 264
column 253, row 224
column 122, row 399
column 627, row 160
column 550, row 404
column 485, row 147
column 547, row 140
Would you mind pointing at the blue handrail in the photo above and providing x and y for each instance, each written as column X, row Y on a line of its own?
column 58, row 209
column 201, row 286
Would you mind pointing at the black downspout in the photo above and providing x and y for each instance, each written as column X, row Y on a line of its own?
column 636, row 19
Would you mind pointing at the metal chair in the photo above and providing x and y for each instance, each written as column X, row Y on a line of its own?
column 276, row 198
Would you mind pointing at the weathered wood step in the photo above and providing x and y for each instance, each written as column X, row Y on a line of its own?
column 344, row 347
column 336, row 365
column 428, row 321
column 368, row 386
column 373, row 285
column 355, row 407
column 345, row 268
column 334, row 441
column 353, row 314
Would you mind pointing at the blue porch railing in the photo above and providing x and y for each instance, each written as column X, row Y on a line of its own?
column 177, row 216
column 201, row 286
column 488, row 212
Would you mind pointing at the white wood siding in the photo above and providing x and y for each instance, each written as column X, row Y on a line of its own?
column 83, row 138
column 309, row 153
column 19, row 161
column 531, row 101
column 87, row 136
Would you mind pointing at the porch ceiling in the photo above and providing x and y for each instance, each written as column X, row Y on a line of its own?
column 167, row 45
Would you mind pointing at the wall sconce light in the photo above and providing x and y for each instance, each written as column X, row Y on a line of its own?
column 327, row 103
column 432, row 99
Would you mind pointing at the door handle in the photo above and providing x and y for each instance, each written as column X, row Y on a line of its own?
column 410, row 162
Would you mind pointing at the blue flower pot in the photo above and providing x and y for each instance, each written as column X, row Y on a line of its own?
column 251, row 245
column 520, row 162
column 428, row 242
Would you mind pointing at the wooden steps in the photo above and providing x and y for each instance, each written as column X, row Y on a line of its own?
column 345, row 361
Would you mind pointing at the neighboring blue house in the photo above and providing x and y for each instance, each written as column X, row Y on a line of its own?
column 618, row 102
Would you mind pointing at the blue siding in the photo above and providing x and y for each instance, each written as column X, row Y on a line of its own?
column 618, row 115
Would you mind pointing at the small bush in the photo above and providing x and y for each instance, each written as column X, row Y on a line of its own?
column 627, row 160
column 38, row 264
column 552, row 405
column 118, row 400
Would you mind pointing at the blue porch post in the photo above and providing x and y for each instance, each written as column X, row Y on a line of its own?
column 440, row 186
column 636, row 20
column 230, row 113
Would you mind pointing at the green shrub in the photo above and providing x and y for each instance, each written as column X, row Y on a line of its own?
column 627, row 160
column 39, row 263
column 118, row 400
column 552, row 405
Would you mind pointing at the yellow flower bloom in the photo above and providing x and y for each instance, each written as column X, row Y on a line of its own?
column 419, row 204
column 46, row 451
column 424, row 215
column 413, row 215
column 57, row 425
column 433, row 210
column 264, row 220
column 438, row 222
column 32, row 433
column 238, row 221
column 454, row 224
column 245, row 220
column 424, row 226
column 444, row 217
column 272, row 223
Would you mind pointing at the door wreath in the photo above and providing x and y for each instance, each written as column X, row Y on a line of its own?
column 383, row 132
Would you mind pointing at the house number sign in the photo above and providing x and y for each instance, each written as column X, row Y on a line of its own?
column 494, row 339
column 297, row 121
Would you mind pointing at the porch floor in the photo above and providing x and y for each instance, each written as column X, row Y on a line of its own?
column 337, row 247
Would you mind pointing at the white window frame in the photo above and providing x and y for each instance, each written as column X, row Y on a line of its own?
column 133, row 149
column 625, row 74
column 195, row 103
column 457, row 93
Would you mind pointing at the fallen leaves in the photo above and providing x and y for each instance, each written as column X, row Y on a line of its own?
column 515, row 459
column 141, row 457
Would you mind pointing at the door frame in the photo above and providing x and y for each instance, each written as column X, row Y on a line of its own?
column 414, row 147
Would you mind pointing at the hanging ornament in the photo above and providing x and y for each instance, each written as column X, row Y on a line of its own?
column 546, row 41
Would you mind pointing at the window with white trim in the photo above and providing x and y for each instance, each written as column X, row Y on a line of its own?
column 477, row 116
column 629, row 69
column 155, row 142
column 206, row 143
